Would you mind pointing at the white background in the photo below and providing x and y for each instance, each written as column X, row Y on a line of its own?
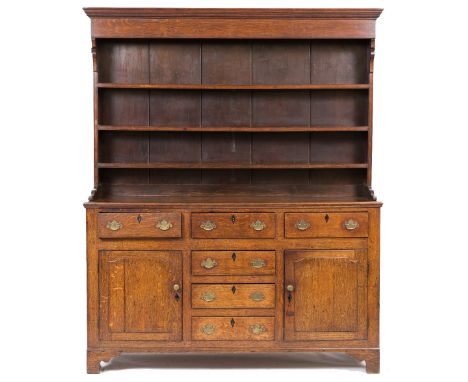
column 420, row 171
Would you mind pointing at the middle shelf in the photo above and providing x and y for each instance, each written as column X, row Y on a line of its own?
column 225, row 165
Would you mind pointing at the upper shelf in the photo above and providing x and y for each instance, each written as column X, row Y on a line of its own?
column 232, row 87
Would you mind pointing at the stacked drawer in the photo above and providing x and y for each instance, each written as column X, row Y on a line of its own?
column 241, row 299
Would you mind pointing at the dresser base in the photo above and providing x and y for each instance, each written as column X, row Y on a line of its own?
column 94, row 357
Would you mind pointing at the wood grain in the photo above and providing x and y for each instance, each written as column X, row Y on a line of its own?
column 233, row 328
column 140, row 225
column 233, row 296
column 232, row 263
column 229, row 117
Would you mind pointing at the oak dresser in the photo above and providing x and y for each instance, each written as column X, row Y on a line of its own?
column 232, row 208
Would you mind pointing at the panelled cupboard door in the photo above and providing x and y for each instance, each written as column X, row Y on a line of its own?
column 141, row 296
column 325, row 295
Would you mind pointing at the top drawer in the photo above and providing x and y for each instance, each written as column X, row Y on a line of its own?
column 143, row 225
column 233, row 225
column 339, row 224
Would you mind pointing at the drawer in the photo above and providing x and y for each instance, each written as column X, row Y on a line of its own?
column 233, row 328
column 233, row 225
column 233, row 296
column 139, row 225
column 322, row 224
column 233, row 263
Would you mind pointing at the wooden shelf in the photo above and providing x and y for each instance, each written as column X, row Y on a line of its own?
column 246, row 166
column 232, row 87
column 246, row 129
column 244, row 194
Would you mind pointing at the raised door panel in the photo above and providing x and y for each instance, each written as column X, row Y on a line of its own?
column 328, row 300
column 138, row 300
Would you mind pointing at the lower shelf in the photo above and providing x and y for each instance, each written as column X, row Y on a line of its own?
column 229, row 194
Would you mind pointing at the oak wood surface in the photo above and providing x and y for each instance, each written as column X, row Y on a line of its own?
column 233, row 328
column 232, row 296
column 325, row 224
column 141, row 225
column 233, row 225
column 229, row 263
column 232, row 207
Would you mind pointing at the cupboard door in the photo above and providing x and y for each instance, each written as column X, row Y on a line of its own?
column 325, row 295
column 141, row 296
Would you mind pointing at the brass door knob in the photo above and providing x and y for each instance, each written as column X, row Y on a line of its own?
column 176, row 287
column 290, row 288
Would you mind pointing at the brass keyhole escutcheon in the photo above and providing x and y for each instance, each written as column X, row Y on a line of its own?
column 233, row 256
column 327, row 218
column 232, row 322
column 233, row 289
column 233, row 219
column 139, row 218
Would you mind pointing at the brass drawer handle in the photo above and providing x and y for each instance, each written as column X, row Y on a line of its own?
column 258, row 263
column 209, row 263
column 208, row 225
column 351, row 224
column 257, row 296
column 258, row 225
column 208, row 329
column 302, row 225
column 257, row 329
column 114, row 225
column 164, row 225
column 208, row 296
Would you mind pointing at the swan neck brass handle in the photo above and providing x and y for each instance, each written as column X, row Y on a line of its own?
column 302, row 225
column 208, row 296
column 257, row 329
column 208, row 225
column 290, row 288
column 208, row 329
column 351, row 224
column 258, row 225
column 209, row 263
column 114, row 225
column 257, row 296
column 164, row 225
column 257, row 263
